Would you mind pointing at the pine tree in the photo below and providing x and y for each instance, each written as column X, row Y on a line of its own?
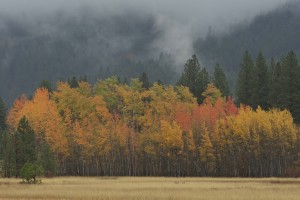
column 47, row 85
column 24, row 144
column 2, row 114
column 144, row 80
column 294, row 84
column 83, row 79
column 7, row 147
column 260, row 85
column 289, row 85
column 195, row 78
column 244, row 81
column 73, row 82
column 220, row 81
column 47, row 159
column 274, row 83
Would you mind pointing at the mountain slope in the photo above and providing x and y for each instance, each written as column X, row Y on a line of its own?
column 62, row 45
column 274, row 33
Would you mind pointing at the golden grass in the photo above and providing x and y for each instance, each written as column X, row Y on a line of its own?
column 156, row 188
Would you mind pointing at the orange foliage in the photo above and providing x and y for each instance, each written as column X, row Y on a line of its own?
column 13, row 116
column 230, row 108
column 209, row 114
column 183, row 117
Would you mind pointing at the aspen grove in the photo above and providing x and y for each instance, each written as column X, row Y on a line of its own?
column 116, row 129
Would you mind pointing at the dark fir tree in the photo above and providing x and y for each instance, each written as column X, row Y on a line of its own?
column 2, row 129
column 288, row 88
column 195, row 78
column 220, row 81
column 284, row 92
column 24, row 145
column 47, row 85
column 244, row 81
column 83, row 79
column 47, row 159
column 125, row 81
column 2, row 114
column 144, row 79
column 290, row 92
column 159, row 82
column 260, row 83
column 8, row 157
column 274, row 83
column 73, row 82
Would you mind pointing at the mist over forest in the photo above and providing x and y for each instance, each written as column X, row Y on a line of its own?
column 59, row 41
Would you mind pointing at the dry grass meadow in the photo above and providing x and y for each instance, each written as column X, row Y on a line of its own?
column 156, row 188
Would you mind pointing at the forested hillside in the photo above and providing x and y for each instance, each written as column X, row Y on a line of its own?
column 62, row 45
column 274, row 33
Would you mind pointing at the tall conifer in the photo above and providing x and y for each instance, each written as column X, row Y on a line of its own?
column 220, row 81
column 244, row 81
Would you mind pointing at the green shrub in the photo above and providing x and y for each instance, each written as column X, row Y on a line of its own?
column 30, row 173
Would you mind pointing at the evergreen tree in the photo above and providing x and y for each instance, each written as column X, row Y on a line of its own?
column 260, row 83
column 2, row 132
column 25, row 144
column 274, row 84
column 125, row 81
column 73, row 82
column 195, row 78
column 292, row 69
column 289, row 85
column 7, row 147
column 159, row 82
column 47, row 160
column 2, row 114
column 144, row 80
column 47, row 85
column 284, row 91
column 83, row 79
column 220, row 81
column 244, row 81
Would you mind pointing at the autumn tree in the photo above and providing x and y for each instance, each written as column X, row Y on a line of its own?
column 212, row 93
column 14, row 116
column 257, row 143
column 119, row 129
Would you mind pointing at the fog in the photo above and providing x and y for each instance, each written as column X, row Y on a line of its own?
column 197, row 13
column 180, row 21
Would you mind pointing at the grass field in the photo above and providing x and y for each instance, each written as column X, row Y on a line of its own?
column 141, row 188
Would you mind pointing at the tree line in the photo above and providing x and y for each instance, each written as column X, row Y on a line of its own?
column 276, row 84
column 138, row 129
